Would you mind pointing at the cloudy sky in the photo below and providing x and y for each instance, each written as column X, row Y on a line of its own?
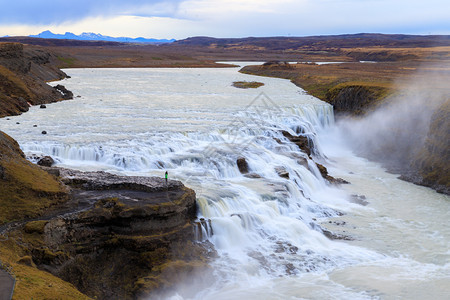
column 224, row 18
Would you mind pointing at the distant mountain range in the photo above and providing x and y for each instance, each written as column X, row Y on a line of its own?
column 89, row 36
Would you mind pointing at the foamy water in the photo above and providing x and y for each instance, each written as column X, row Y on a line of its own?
column 267, row 230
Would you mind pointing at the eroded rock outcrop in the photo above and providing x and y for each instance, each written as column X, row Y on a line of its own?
column 24, row 72
column 65, row 93
column 282, row 172
column 300, row 140
column 306, row 146
column 131, row 234
column 324, row 172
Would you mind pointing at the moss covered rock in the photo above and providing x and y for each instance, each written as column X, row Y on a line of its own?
column 247, row 84
column 35, row 226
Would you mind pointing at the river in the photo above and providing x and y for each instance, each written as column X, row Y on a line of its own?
column 268, row 230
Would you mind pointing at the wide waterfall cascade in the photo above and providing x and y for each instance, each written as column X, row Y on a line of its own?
column 268, row 230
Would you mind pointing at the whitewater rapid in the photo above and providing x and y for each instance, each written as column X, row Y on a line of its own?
column 268, row 230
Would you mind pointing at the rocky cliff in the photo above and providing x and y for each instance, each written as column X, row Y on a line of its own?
column 355, row 98
column 24, row 72
column 349, row 95
column 432, row 164
column 137, row 234
column 109, row 236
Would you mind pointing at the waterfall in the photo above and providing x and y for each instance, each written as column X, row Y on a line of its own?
column 269, row 226
column 257, row 219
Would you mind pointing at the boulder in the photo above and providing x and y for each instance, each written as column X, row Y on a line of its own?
column 46, row 161
column 43, row 106
column 324, row 172
column 66, row 94
column 242, row 165
column 252, row 175
column 282, row 172
column 301, row 141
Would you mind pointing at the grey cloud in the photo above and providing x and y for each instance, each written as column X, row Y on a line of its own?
column 56, row 11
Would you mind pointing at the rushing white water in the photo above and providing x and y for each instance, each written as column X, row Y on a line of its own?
column 267, row 230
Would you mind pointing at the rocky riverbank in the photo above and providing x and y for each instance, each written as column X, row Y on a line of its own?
column 358, row 89
column 352, row 88
column 24, row 72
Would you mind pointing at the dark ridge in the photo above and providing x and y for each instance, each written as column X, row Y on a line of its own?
column 57, row 42
column 324, row 41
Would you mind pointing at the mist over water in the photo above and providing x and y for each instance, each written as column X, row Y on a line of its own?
column 396, row 131
column 268, row 230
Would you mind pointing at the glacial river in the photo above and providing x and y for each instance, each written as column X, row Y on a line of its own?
column 268, row 230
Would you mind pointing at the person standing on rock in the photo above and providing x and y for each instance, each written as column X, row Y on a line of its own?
column 167, row 175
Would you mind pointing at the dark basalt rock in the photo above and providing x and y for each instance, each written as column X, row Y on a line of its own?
column 43, row 106
column 64, row 92
column 324, row 172
column 305, row 145
column 252, row 175
column 46, row 161
column 242, row 165
column 300, row 140
column 336, row 236
column 282, row 172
